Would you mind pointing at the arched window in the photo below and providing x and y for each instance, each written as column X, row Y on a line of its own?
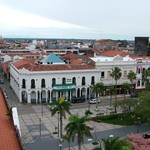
column 139, row 71
column 143, row 70
column 92, row 80
column 63, row 80
column 43, row 83
column 53, row 81
column 83, row 80
column 32, row 83
column 138, row 83
column 74, row 80
column 23, row 83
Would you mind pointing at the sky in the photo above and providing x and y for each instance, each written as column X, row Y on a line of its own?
column 84, row 19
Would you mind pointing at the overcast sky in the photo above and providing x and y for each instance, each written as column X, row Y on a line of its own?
column 113, row 19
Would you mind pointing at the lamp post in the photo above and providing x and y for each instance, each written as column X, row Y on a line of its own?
column 138, row 124
column 58, row 122
column 60, row 143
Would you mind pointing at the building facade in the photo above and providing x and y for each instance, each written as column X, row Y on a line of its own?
column 50, row 78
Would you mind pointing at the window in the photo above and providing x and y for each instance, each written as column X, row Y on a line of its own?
column 43, row 83
column 63, row 80
column 139, row 70
column 138, row 83
column 23, row 83
column 74, row 80
column 125, row 73
column 32, row 83
column 108, row 74
column 83, row 80
column 53, row 81
column 92, row 80
column 102, row 74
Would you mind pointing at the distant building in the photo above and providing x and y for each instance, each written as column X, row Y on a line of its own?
column 142, row 46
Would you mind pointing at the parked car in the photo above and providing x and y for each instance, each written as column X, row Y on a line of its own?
column 94, row 101
column 78, row 100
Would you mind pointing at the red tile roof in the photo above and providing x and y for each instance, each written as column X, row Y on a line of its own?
column 31, row 66
column 8, row 138
column 112, row 53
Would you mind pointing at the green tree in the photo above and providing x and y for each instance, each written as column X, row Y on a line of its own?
column 131, row 76
column 116, row 143
column 116, row 74
column 98, row 90
column 77, row 126
column 61, row 107
column 143, row 106
column 126, row 87
column 146, row 78
column 111, row 91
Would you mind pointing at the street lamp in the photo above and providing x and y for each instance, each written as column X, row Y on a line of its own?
column 138, row 124
column 58, row 122
column 60, row 143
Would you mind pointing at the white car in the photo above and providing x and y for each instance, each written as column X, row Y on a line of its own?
column 94, row 101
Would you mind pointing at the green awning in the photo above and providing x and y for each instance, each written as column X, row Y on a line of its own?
column 69, row 89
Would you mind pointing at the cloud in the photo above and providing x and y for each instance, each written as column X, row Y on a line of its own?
column 10, row 17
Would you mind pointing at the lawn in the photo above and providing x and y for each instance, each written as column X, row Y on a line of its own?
column 124, row 119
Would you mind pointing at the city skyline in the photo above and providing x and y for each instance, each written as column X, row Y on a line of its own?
column 74, row 19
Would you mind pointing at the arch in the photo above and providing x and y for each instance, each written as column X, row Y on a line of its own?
column 83, row 93
column 139, row 70
column 78, row 92
column 143, row 69
column 33, row 97
column 24, row 97
column 138, row 83
column 43, row 96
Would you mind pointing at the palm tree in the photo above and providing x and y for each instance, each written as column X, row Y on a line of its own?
column 126, row 87
column 111, row 90
column 61, row 107
column 77, row 126
column 116, row 74
column 145, row 78
column 98, row 89
column 131, row 76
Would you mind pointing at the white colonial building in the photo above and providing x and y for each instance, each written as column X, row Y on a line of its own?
column 52, row 77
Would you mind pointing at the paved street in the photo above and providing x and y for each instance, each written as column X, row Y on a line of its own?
column 37, row 125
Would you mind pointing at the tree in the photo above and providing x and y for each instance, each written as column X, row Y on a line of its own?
column 143, row 106
column 111, row 90
column 98, row 89
column 131, row 76
column 77, row 126
column 126, row 87
column 145, row 78
column 116, row 143
column 61, row 107
column 116, row 74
